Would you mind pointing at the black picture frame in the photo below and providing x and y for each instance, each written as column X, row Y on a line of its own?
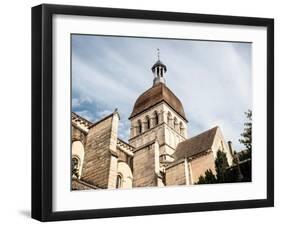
column 42, row 111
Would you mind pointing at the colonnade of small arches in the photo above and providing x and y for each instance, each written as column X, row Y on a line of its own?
column 175, row 124
column 150, row 121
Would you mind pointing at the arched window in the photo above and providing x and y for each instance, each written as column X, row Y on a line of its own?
column 147, row 121
column 124, row 175
column 139, row 127
column 181, row 128
column 156, row 118
column 77, row 158
column 75, row 164
column 169, row 117
column 119, row 181
column 175, row 123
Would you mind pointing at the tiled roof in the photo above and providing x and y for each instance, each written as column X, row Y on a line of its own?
column 155, row 95
column 195, row 145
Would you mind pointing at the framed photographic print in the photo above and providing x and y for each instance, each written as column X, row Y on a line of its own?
column 145, row 112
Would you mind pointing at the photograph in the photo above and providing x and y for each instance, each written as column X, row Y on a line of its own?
column 146, row 112
column 157, row 112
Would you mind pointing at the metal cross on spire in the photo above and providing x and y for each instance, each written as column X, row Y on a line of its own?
column 158, row 53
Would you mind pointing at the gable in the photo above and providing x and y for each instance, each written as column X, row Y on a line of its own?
column 195, row 145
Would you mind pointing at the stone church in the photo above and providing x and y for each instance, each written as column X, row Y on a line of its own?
column 159, row 151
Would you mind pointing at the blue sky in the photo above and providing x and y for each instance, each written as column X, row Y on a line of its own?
column 213, row 80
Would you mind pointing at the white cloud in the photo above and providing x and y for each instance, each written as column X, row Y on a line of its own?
column 75, row 102
column 86, row 114
column 103, row 113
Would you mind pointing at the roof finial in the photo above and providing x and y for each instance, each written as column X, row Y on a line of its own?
column 158, row 53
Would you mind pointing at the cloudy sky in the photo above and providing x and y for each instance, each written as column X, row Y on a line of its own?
column 213, row 80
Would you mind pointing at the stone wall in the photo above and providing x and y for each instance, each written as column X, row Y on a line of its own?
column 221, row 144
column 125, row 172
column 167, row 135
column 112, row 175
column 177, row 174
column 124, row 157
column 168, row 110
column 78, row 134
column 149, row 136
column 81, row 185
column 201, row 164
column 172, row 139
column 146, row 166
column 100, row 161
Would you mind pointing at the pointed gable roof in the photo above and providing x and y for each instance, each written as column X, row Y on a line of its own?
column 197, row 144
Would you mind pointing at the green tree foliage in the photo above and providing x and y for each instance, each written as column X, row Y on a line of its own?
column 222, row 175
column 209, row 178
column 246, row 139
column 239, row 171
column 221, row 167
column 201, row 180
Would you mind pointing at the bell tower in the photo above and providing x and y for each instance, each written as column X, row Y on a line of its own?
column 158, row 124
column 158, row 115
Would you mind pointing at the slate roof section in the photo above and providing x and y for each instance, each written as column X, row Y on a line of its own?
column 155, row 95
column 195, row 145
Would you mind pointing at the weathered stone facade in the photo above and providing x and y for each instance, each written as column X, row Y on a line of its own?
column 177, row 173
column 200, row 164
column 146, row 165
column 100, row 161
